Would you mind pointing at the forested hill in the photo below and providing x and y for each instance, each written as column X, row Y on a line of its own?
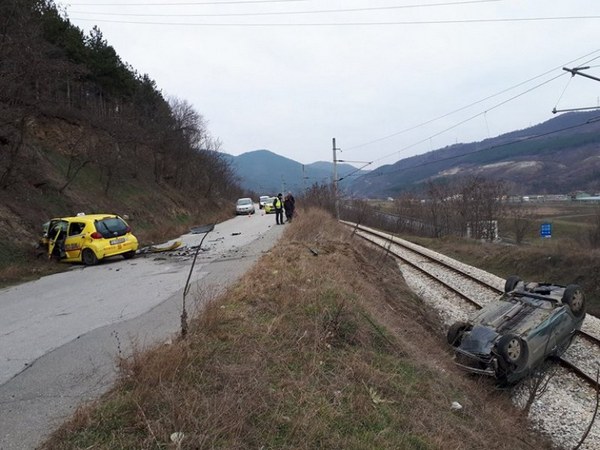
column 81, row 130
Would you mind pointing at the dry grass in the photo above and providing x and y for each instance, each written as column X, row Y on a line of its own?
column 327, row 351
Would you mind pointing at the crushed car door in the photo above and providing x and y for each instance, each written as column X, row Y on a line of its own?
column 74, row 241
column 56, row 236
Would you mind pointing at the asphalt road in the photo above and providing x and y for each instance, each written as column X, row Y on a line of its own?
column 60, row 336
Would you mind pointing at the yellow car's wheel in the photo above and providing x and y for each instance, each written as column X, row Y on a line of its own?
column 88, row 257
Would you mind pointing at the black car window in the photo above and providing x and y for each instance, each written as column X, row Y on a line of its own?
column 76, row 228
column 111, row 227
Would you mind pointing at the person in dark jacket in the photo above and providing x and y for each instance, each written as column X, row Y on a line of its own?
column 278, row 205
column 288, row 206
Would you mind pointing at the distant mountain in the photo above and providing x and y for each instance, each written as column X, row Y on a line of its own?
column 266, row 172
column 557, row 156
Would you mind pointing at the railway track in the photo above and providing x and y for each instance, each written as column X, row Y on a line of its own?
column 463, row 283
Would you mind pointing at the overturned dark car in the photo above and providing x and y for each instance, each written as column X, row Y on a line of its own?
column 511, row 337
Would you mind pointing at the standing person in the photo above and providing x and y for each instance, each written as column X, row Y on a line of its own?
column 278, row 205
column 288, row 205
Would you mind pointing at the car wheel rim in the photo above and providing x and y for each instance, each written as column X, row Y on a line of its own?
column 513, row 350
column 577, row 301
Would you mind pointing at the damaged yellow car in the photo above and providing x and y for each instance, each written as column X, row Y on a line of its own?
column 88, row 238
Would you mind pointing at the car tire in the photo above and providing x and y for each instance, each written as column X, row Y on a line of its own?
column 511, row 283
column 513, row 350
column 129, row 255
column 456, row 332
column 575, row 299
column 88, row 257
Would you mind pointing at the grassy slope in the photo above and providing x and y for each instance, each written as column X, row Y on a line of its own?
column 327, row 351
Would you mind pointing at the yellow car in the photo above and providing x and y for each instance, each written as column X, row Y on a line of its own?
column 89, row 238
column 269, row 208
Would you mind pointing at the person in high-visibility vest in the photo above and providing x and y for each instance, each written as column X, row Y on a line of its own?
column 278, row 205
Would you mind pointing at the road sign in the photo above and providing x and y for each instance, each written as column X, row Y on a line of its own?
column 546, row 230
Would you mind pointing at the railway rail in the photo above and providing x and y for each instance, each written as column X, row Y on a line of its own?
column 428, row 264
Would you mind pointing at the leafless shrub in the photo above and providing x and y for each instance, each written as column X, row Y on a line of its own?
column 536, row 384
column 320, row 196
column 519, row 221
column 594, row 233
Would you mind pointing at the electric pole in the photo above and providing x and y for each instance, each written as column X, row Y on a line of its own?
column 303, row 181
column 335, row 182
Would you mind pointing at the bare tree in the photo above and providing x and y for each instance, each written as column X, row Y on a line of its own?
column 320, row 195
column 79, row 156
column 519, row 221
column 480, row 205
column 10, row 159
column 436, row 198
column 594, row 233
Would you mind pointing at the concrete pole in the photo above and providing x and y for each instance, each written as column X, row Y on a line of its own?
column 335, row 183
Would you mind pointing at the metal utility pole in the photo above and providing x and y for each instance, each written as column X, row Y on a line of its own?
column 335, row 182
column 282, row 186
column 303, row 180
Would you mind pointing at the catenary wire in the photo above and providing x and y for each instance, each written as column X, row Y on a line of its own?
column 470, row 118
column 563, row 91
column 414, row 127
column 347, row 24
column 224, row 2
column 386, row 23
column 280, row 13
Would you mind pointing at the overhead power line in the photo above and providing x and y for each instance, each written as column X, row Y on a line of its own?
column 462, row 122
column 462, row 108
column 347, row 24
column 224, row 2
column 281, row 13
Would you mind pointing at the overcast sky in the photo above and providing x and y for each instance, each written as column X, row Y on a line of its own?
column 385, row 79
